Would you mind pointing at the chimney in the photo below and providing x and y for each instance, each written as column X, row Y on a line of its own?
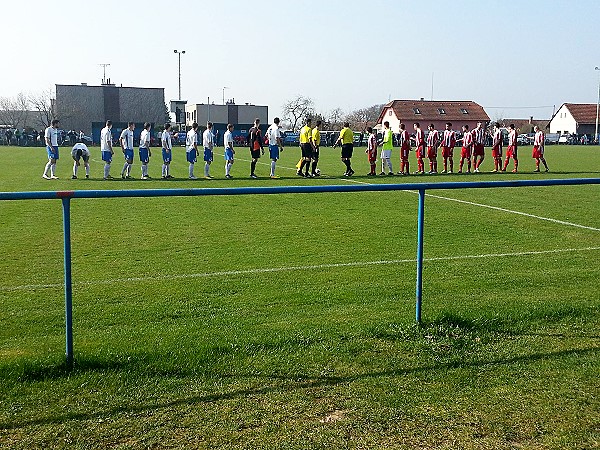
column 422, row 99
column 530, row 120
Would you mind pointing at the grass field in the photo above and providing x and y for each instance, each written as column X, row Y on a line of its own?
column 287, row 321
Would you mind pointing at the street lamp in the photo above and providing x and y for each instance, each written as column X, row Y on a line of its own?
column 179, row 53
column 597, row 107
column 224, row 87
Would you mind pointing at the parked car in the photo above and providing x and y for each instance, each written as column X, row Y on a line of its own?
column 524, row 139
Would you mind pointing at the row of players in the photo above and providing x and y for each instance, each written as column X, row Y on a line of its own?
column 425, row 147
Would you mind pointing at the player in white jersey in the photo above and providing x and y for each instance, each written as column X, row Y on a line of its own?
column 229, row 151
column 275, row 144
column 51, row 137
column 167, row 151
column 191, row 148
column 106, row 148
column 145, row 152
column 208, row 142
column 126, row 140
column 80, row 152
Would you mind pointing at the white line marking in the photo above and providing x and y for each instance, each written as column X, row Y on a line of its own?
column 548, row 219
column 255, row 271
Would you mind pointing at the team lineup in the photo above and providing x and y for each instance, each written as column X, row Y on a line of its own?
column 426, row 146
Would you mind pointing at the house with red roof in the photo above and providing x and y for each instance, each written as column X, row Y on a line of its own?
column 425, row 112
column 578, row 118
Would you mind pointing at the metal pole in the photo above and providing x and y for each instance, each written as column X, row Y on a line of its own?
column 179, row 55
column 597, row 107
column 420, row 222
column 66, row 203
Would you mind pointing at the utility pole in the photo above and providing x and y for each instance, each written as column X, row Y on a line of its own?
column 597, row 106
column 224, row 87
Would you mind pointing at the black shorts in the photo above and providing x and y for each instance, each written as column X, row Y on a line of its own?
column 255, row 154
column 79, row 155
column 347, row 150
column 307, row 151
column 315, row 154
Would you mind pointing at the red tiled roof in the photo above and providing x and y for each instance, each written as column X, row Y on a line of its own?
column 522, row 124
column 430, row 110
column 583, row 113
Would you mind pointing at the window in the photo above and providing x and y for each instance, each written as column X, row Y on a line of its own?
column 464, row 111
column 390, row 112
column 416, row 110
column 441, row 110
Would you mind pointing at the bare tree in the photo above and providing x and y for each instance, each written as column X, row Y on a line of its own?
column 14, row 110
column 362, row 118
column 43, row 104
column 297, row 109
column 334, row 119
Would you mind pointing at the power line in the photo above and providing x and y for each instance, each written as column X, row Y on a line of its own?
column 518, row 107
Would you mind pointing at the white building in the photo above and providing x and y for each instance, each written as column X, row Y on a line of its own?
column 578, row 118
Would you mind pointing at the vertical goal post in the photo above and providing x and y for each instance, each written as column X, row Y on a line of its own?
column 421, row 188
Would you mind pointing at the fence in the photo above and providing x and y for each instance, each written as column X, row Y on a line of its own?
column 66, row 196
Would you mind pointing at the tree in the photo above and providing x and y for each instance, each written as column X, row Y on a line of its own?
column 335, row 119
column 14, row 110
column 362, row 118
column 43, row 103
column 295, row 111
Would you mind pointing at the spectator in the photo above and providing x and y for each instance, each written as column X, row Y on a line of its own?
column 9, row 135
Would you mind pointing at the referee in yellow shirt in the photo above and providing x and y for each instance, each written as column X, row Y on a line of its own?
column 306, row 147
column 315, row 141
column 346, row 139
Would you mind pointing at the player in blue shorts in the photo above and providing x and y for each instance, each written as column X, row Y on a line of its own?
column 208, row 142
column 51, row 137
column 229, row 151
column 126, row 140
column 106, row 148
column 167, row 151
column 145, row 152
column 191, row 148
column 79, row 152
column 275, row 144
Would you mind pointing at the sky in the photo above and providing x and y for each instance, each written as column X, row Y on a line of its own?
column 517, row 59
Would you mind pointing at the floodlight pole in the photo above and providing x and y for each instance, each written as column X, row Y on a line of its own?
column 596, row 137
column 179, row 53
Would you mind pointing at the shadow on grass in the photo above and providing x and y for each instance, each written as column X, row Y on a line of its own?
column 297, row 382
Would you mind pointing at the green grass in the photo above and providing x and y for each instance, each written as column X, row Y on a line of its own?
column 320, row 356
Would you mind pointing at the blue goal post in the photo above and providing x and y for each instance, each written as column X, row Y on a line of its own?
column 421, row 188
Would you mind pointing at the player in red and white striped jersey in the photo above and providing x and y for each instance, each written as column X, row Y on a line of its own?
column 467, row 148
column 433, row 142
column 478, row 145
column 511, row 151
column 497, row 148
column 404, row 150
column 448, row 144
column 538, row 149
column 420, row 148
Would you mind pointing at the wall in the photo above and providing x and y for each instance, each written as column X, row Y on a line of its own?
column 563, row 122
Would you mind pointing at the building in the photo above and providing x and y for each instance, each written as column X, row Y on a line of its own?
column 241, row 116
column 578, row 118
column 87, row 108
column 425, row 112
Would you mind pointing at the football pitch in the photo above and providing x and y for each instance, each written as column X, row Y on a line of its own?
column 287, row 321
